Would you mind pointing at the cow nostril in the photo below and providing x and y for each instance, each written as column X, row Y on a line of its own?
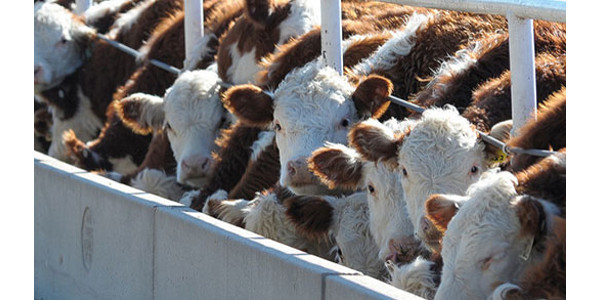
column 291, row 168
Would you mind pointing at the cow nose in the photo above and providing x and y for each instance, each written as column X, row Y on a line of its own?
column 195, row 166
column 292, row 167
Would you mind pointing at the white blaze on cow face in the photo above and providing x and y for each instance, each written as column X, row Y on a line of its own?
column 484, row 244
column 442, row 154
column 193, row 117
column 59, row 44
column 311, row 106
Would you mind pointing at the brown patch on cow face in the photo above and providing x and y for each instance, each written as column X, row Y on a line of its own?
column 372, row 143
column 440, row 211
column 371, row 96
column 249, row 104
column 335, row 168
column 311, row 215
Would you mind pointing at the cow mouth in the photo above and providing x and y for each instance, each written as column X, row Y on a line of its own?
column 194, row 182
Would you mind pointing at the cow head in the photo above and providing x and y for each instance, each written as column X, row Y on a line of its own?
column 339, row 166
column 61, row 40
column 192, row 115
column 313, row 105
column 491, row 236
column 439, row 153
column 344, row 220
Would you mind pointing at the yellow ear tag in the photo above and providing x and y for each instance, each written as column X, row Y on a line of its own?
column 499, row 157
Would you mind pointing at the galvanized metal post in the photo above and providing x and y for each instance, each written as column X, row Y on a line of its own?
column 522, row 67
column 331, row 34
column 193, row 25
column 82, row 5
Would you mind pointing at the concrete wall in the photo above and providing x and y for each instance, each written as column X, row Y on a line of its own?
column 98, row 239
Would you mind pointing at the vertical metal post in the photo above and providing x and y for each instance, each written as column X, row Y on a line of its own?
column 522, row 68
column 193, row 25
column 82, row 5
column 331, row 34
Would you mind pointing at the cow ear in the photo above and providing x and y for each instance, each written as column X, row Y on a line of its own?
column 311, row 215
column 337, row 166
column 440, row 209
column 371, row 96
column 258, row 11
column 141, row 112
column 374, row 141
column 249, row 104
column 501, row 132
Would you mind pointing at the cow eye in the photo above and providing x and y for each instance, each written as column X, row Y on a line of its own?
column 169, row 128
column 404, row 172
column 345, row 122
column 485, row 264
column 371, row 189
column 474, row 169
column 277, row 127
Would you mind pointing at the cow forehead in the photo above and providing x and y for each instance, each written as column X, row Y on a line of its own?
column 194, row 98
column 487, row 215
column 313, row 94
column 52, row 21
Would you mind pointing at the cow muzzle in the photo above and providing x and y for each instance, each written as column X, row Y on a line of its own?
column 193, row 167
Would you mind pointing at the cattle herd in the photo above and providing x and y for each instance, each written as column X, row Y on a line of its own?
column 257, row 131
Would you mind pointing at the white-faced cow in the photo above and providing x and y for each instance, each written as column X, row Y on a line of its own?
column 243, row 177
column 439, row 153
column 191, row 114
column 76, row 74
column 167, row 45
column 493, row 235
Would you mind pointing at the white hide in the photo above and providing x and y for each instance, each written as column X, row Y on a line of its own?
column 441, row 155
column 194, row 114
column 400, row 44
column 158, row 183
column 312, row 105
column 483, row 243
column 265, row 215
column 355, row 246
column 303, row 16
column 388, row 218
column 128, row 19
column 415, row 277
column 58, row 44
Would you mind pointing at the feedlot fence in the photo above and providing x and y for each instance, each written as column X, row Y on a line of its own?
column 96, row 238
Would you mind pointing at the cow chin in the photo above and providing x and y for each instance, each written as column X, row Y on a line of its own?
column 194, row 182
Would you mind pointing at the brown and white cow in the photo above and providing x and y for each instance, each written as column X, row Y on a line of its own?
column 265, row 214
column 491, row 101
column 167, row 45
column 439, row 153
column 190, row 113
column 76, row 73
column 546, row 279
column 396, row 52
column 242, row 172
column 493, row 234
column 460, row 76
